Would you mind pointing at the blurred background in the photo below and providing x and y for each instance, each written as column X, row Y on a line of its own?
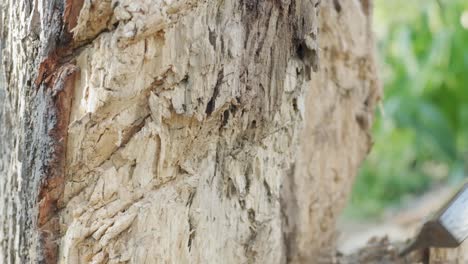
column 421, row 132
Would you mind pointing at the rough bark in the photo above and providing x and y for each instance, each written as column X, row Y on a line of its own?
column 181, row 131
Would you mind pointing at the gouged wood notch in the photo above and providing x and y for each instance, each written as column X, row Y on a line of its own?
column 448, row 228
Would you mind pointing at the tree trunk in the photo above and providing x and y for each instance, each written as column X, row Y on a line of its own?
column 181, row 131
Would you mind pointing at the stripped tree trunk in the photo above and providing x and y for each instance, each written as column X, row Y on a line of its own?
column 183, row 131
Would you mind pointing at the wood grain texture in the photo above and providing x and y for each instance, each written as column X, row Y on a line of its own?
column 181, row 131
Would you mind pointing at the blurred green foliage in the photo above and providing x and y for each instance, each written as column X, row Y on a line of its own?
column 421, row 136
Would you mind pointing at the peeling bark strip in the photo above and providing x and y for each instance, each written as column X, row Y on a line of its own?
column 71, row 13
column 56, row 78
column 35, row 117
column 181, row 131
column 51, row 188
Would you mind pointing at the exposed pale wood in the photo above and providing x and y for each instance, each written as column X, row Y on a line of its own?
column 181, row 131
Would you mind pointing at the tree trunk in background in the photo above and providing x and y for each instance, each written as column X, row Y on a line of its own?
column 181, row 131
